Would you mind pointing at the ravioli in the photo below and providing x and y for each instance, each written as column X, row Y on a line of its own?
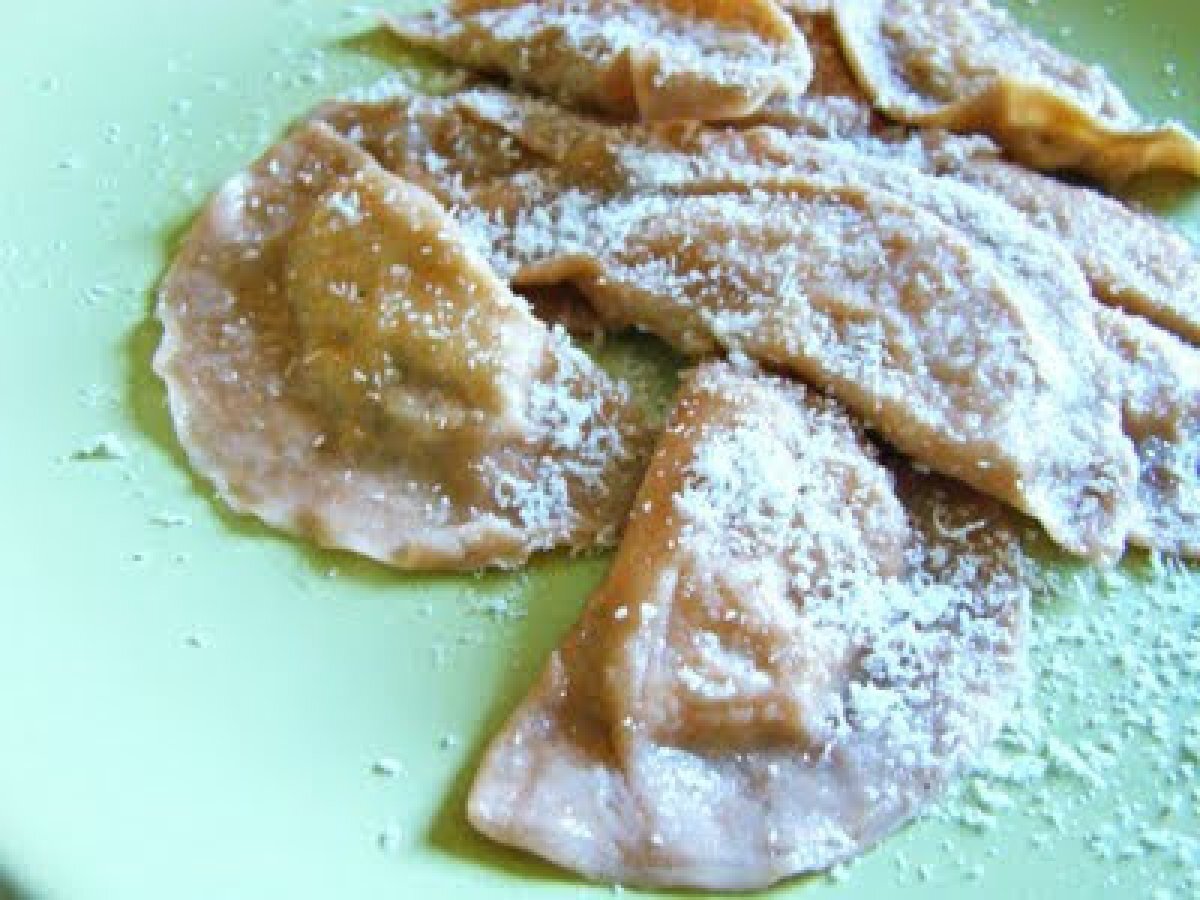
column 341, row 365
column 636, row 59
column 1151, row 376
column 1159, row 376
column 613, row 162
column 802, row 637
column 435, row 142
column 853, row 289
column 1134, row 260
column 1110, row 372
column 796, row 647
column 834, row 106
column 967, row 66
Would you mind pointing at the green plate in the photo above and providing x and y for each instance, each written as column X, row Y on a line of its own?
column 191, row 706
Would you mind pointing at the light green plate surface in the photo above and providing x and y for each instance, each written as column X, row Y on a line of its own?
column 190, row 706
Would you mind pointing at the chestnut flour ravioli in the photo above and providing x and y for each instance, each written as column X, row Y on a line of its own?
column 1159, row 380
column 907, row 321
column 341, row 365
column 835, row 105
column 967, row 66
column 483, row 141
column 1057, row 294
column 637, row 59
column 436, row 142
column 1134, row 260
column 904, row 338
column 795, row 648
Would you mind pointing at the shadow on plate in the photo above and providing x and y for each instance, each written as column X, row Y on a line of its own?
column 10, row 889
column 1166, row 193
